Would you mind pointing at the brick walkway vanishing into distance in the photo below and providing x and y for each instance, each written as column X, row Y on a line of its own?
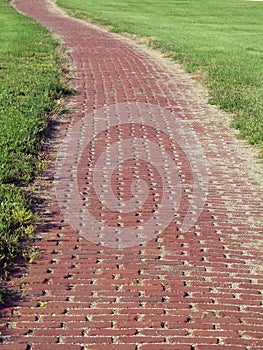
column 137, row 255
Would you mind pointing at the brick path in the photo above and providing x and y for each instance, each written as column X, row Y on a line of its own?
column 193, row 290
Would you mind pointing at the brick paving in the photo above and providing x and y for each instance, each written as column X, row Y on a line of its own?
column 194, row 289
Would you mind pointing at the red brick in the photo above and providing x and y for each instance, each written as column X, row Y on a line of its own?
column 111, row 332
column 164, row 332
column 194, row 340
column 11, row 347
column 15, row 332
column 219, row 347
column 141, row 339
column 230, row 333
column 243, row 341
column 57, row 332
column 165, row 347
column 57, row 347
column 113, row 347
column 87, row 339
column 255, row 335
column 36, row 339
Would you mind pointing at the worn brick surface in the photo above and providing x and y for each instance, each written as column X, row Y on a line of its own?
column 201, row 289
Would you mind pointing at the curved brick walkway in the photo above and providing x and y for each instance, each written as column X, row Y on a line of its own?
column 200, row 289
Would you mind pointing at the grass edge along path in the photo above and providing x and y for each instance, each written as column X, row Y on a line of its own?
column 220, row 41
column 31, row 81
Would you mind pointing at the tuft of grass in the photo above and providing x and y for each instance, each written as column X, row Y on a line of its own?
column 30, row 82
column 223, row 39
column 16, row 226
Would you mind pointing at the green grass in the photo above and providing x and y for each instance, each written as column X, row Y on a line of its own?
column 222, row 40
column 30, row 81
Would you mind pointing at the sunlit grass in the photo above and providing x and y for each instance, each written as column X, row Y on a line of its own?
column 30, row 81
column 222, row 39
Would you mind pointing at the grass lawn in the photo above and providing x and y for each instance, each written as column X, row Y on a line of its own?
column 222, row 40
column 30, row 81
